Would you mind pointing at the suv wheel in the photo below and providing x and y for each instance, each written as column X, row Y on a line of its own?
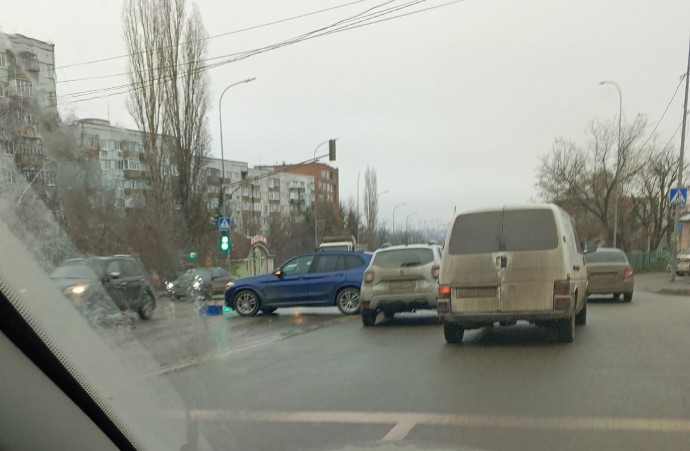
column 147, row 306
column 246, row 303
column 347, row 301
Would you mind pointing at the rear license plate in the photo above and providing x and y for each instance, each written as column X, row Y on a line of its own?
column 484, row 292
column 402, row 285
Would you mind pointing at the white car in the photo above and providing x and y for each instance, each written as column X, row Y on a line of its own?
column 400, row 279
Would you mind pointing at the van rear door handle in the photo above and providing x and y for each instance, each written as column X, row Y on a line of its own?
column 576, row 267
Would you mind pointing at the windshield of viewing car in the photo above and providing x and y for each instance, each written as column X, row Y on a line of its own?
column 236, row 165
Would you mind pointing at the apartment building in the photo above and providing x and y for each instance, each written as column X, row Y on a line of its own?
column 27, row 100
column 326, row 183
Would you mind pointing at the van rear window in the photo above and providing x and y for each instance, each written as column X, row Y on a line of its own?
column 510, row 231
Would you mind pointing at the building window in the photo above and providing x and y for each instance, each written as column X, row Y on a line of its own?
column 2, row 90
column 23, row 87
column 8, row 176
column 3, row 60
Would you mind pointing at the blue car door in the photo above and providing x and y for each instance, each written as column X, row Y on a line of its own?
column 324, row 279
column 288, row 287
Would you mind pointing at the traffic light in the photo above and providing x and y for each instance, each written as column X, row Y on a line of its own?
column 331, row 150
column 224, row 241
column 192, row 256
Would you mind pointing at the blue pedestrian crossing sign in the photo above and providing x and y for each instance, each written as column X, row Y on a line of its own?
column 224, row 223
column 678, row 196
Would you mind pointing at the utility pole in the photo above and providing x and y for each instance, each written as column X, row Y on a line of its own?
column 676, row 216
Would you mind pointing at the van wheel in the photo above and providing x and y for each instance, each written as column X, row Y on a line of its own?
column 581, row 318
column 565, row 329
column 453, row 332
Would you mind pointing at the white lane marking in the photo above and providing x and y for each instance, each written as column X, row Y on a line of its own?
column 404, row 421
column 399, row 431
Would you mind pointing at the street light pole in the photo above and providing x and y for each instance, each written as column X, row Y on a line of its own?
column 316, row 193
column 676, row 216
column 358, row 174
column 222, row 155
column 616, row 189
column 406, row 219
column 399, row 205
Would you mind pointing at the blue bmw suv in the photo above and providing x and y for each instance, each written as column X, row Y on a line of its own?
column 311, row 280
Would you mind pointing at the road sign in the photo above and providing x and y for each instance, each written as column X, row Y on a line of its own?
column 678, row 196
column 224, row 223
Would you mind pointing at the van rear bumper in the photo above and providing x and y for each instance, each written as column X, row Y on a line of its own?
column 476, row 320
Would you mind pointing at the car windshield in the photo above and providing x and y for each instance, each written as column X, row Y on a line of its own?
column 402, row 258
column 74, row 272
column 197, row 198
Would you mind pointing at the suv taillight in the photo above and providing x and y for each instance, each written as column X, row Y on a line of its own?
column 628, row 272
column 561, row 287
column 444, row 291
column 435, row 270
column 368, row 276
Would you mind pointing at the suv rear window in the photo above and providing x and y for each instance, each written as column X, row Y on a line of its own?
column 495, row 231
column 401, row 258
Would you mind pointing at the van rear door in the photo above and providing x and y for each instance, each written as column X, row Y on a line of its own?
column 473, row 247
column 532, row 260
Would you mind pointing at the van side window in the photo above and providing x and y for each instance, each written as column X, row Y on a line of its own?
column 578, row 242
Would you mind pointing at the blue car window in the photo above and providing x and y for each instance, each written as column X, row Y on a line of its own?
column 349, row 261
column 326, row 263
column 297, row 266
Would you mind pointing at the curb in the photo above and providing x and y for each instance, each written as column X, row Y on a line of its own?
column 675, row 291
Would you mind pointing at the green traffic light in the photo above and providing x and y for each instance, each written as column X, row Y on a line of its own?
column 224, row 242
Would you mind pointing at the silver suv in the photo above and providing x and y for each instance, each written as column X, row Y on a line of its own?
column 400, row 279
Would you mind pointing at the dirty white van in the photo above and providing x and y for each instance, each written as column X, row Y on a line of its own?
column 509, row 264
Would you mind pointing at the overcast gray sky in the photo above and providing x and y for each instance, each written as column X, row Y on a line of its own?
column 453, row 107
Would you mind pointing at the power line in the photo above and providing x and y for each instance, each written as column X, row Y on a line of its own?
column 214, row 36
column 664, row 113
column 244, row 55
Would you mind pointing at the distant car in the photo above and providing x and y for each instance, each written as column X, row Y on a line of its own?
column 683, row 263
column 202, row 283
column 311, row 280
column 609, row 272
column 96, row 284
column 400, row 279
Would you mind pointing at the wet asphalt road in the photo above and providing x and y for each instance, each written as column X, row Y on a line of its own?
column 306, row 379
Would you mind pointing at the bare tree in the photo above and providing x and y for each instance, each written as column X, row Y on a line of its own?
column 584, row 180
column 371, row 203
column 169, row 103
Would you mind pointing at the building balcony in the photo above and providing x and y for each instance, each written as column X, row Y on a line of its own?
column 133, row 174
column 134, row 191
column 25, row 159
column 213, row 180
column 130, row 154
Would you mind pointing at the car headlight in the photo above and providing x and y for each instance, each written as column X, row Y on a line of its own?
column 229, row 284
column 77, row 290
column 169, row 285
column 196, row 284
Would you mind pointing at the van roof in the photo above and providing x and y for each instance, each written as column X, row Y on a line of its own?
column 537, row 206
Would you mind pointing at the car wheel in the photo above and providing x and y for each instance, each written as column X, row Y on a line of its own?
column 581, row 318
column 347, row 301
column 616, row 296
column 246, row 303
column 146, row 309
column 565, row 329
column 453, row 332
column 268, row 310
column 389, row 315
column 627, row 297
column 368, row 317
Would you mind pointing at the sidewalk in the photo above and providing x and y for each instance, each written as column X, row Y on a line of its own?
column 660, row 282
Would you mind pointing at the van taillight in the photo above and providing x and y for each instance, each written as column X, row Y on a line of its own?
column 444, row 291
column 561, row 287
column 368, row 276
column 628, row 272
column 435, row 270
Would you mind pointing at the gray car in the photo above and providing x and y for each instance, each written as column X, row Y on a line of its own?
column 609, row 272
column 400, row 279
